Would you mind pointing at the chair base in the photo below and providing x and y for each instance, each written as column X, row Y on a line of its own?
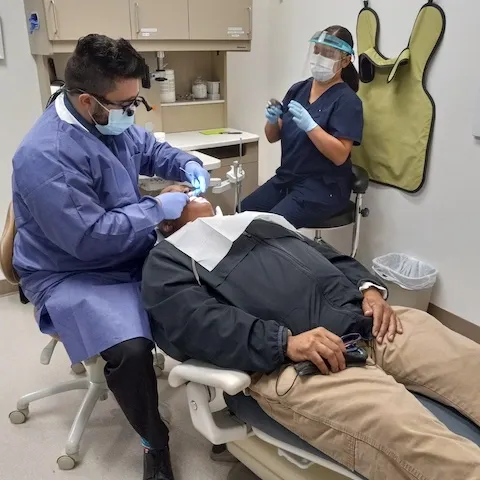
column 264, row 461
column 96, row 389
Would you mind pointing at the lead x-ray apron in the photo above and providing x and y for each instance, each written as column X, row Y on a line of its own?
column 399, row 113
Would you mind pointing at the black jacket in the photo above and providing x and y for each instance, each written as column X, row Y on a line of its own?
column 271, row 280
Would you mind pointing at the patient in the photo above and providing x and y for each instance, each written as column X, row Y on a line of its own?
column 274, row 298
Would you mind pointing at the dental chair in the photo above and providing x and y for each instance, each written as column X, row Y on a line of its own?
column 268, row 449
column 94, row 382
column 352, row 215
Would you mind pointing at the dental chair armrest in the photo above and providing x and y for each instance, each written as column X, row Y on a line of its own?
column 231, row 382
column 218, row 427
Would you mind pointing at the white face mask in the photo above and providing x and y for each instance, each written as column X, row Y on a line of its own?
column 323, row 68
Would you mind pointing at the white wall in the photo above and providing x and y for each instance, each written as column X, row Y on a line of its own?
column 248, row 81
column 19, row 93
column 439, row 225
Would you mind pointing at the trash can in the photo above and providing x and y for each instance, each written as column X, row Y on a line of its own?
column 410, row 281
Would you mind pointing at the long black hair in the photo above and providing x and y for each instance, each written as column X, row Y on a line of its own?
column 349, row 74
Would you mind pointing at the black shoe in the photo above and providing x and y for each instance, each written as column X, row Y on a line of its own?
column 156, row 465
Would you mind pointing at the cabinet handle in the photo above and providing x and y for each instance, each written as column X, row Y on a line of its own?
column 250, row 21
column 54, row 9
column 137, row 16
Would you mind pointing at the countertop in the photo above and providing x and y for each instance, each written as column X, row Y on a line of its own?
column 210, row 163
column 196, row 141
column 192, row 141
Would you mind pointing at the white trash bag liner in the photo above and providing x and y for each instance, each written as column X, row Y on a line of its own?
column 405, row 271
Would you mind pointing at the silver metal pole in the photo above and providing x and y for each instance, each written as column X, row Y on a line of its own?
column 238, row 187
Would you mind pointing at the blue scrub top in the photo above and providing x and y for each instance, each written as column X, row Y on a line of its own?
column 339, row 112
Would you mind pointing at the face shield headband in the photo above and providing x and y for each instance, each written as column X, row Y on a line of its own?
column 323, row 38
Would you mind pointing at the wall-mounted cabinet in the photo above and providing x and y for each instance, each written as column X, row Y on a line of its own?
column 195, row 34
column 170, row 25
column 71, row 19
column 159, row 19
column 220, row 19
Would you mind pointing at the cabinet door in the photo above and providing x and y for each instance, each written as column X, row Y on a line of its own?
column 159, row 19
column 220, row 19
column 72, row 19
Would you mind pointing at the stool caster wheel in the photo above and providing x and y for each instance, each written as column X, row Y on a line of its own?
column 365, row 212
column 17, row 417
column 103, row 397
column 78, row 369
column 66, row 462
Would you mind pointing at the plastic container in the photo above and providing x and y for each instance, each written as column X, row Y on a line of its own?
column 213, row 96
column 167, row 87
column 409, row 280
column 199, row 89
column 213, row 88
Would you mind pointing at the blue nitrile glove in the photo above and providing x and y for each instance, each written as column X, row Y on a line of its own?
column 197, row 176
column 301, row 117
column 173, row 204
column 273, row 113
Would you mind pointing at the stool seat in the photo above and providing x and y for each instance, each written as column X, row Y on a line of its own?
column 342, row 219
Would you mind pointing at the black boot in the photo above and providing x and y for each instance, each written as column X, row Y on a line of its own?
column 156, row 465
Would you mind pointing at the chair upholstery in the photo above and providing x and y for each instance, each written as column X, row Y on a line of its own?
column 360, row 180
column 247, row 410
column 6, row 248
column 348, row 215
column 345, row 217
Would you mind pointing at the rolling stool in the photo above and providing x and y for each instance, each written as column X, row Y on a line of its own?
column 353, row 214
column 94, row 383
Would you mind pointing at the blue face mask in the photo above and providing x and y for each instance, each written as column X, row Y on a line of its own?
column 118, row 121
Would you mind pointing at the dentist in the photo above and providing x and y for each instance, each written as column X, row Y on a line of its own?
column 84, row 231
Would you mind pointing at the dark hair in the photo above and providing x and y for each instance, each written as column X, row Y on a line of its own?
column 99, row 61
column 349, row 74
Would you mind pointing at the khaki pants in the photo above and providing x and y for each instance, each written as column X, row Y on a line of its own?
column 366, row 419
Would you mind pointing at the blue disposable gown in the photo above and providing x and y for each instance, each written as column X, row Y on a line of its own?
column 83, row 230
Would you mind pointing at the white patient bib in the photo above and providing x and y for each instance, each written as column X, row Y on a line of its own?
column 208, row 240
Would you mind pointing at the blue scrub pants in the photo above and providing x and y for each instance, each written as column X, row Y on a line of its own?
column 295, row 204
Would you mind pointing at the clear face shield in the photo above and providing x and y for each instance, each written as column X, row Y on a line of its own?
column 326, row 55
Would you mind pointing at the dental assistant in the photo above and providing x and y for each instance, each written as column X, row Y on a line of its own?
column 318, row 123
column 84, row 231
